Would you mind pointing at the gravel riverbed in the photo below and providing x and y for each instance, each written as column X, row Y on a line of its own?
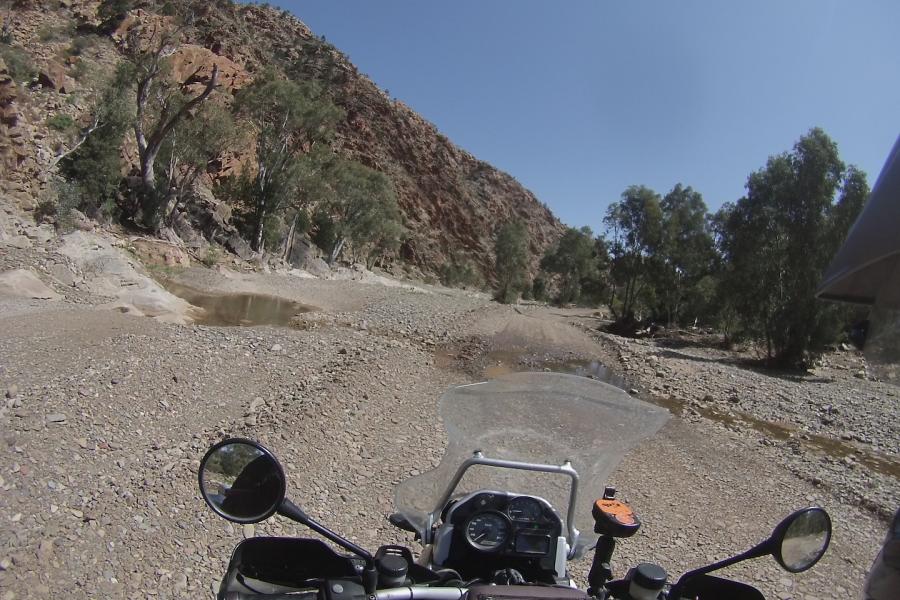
column 106, row 415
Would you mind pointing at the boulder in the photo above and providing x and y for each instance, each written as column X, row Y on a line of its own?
column 307, row 256
column 25, row 284
column 160, row 252
column 238, row 245
column 54, row 77
column 186, row 232
column 41, row 234
column 80, row 221
column 62, row 274
column 19, row 242
column 110, row 272
column 192, row 65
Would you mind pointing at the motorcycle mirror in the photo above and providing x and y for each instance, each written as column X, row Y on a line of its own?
column 800, row 540
column 242, row 481
column 797, row 543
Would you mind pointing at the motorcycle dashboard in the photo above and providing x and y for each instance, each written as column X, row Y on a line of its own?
column 508, row 524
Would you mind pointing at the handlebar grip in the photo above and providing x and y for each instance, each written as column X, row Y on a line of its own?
column 243, row 596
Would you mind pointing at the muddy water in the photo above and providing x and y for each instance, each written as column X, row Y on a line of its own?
column 237, row 310
column 834, row 448
column 503, row 363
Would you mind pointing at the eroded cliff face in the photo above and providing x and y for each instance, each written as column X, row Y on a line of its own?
column 452, row 202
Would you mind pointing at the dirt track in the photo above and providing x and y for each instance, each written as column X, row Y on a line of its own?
column 109, row 414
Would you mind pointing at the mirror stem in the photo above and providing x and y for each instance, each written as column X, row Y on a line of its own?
column 295, row 513
column 759, row 550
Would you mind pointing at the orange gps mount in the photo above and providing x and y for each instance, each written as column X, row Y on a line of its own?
column 613, row 517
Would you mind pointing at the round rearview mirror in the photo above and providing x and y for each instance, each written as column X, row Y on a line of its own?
column 802, row 538
column 241, row 481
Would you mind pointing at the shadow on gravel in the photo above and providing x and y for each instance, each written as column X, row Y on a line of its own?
column 756, row 365
column 704, row 359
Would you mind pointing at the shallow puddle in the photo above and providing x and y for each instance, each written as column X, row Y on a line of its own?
column 503, row 362
column 237, row 310
column 834, row 448
column 499, row 363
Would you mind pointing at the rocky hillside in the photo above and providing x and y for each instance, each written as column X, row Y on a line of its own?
column 452, row 202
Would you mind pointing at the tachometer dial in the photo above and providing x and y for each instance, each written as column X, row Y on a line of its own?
column 488, row 531
column 524, row 508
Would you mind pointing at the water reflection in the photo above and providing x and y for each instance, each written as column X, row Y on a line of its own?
column 237, row 310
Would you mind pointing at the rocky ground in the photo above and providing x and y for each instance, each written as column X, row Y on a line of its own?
column 107, row 414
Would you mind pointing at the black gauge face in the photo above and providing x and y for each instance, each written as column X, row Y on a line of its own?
column 524, row 508
column 488, row 531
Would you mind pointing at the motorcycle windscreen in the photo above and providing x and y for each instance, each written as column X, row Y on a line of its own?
column 866, row 270
column 543, row 418
column 867, row 258
column 882, row 345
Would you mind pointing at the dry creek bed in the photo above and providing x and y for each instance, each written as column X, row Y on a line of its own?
column 106, row 416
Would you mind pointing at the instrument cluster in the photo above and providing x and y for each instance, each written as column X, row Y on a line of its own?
column 494, row 522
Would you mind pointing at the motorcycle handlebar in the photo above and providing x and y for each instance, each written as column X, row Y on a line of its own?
column 243, row 596
column 403, row 593
column 421, row 593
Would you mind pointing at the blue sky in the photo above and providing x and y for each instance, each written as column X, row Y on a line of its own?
column 578, row 99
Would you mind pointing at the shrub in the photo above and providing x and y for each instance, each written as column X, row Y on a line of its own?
column 95, row 168
column 460, row 273
column 69, row 197
column 539, row 289
column 212, row 256
column 49, row 33
column 80, row 70
column 45, row 209
column 18, row 63
column 60, row 122
column 511, row 262
column 80, row 44
column 113, row 9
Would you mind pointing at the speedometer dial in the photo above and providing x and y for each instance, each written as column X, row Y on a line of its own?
column 488, row 531
column 524, row 508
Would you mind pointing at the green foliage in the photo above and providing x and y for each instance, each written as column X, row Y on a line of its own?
column 19, row 63
column 49, row 33
column 45, row 209
column 81, row 43
column 364, row 210
column 325, row 232
column 114, row 9
column 460, row 272
column 69, row 196
column 777, row 240
column 685, row 257
column 212, row 256
column 95, row 167
column 511, row 261
column 193, row 144
column 576, row 261
column 635, row 232
column 60, row 122
column 274, row 230
column 539, row 289
column 287, row 116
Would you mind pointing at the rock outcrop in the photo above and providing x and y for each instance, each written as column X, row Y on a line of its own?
column 12, row 151
column 452, row 202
